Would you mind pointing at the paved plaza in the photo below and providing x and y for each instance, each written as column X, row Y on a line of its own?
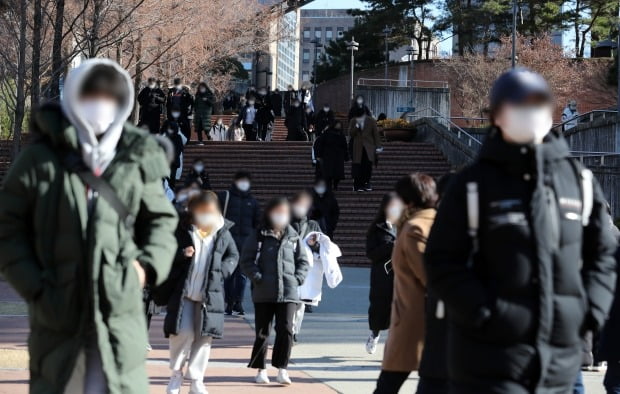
column 330, row 358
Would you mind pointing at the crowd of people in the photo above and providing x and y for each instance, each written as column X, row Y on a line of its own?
column 487, row 282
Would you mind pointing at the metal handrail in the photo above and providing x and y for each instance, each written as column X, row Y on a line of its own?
column 399, row 82
column 588, row 155
column 581, row 117
column 438, row 115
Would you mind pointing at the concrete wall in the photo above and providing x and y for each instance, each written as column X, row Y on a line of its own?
column 387, row 100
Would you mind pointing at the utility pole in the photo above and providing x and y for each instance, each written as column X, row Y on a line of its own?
column 412, row 52
column 514, row 33
column 386, row 32
column 353, row 46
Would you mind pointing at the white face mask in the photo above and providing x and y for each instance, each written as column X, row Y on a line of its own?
column 152, row 86
column 525, row 125
column 262, row 93
column 178, row 87
column 393, row 213
column 360, row 120
column 326, row 109
column 199, row 168
column 320, row 190
column 219, row 122
column 205, row 219
column 279, row 220
column 203, row 90
column 296, row 105
column 98, row 113
column 243, row 186
column 251, row 102
column 175, row 114
column 300, row 211
column 360, row 101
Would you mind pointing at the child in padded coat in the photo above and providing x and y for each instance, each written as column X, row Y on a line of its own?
column 323, row 255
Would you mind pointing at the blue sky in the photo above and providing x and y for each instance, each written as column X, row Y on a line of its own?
column 445, row 46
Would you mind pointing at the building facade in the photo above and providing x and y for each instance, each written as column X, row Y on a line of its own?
column 317, row 28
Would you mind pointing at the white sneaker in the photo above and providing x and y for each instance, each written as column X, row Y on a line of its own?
column 283, row 377
column 261, row 377
column 198, row 387
column 176, row 381
column 371, row 343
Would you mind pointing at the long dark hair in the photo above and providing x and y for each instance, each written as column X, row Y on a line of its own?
column 271, row 205
column 380, row 216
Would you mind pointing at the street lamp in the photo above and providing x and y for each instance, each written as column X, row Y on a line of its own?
column 386, row 33
column 412, row 52
column 353, row 46
column 317, row 45
column 514, row 33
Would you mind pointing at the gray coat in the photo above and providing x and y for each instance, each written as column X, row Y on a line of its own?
column 278, row 270
column 222, row 262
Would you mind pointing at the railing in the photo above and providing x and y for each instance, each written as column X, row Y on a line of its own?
column 448, row 123
column 587, row 117
column 399, row 83
column 601, row 156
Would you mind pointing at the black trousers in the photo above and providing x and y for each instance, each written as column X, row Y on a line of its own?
column 150, row 120
column 234, row 287
column 362, row 172
column 263, row 129
column 250, row 132
column 264, row 314
column 185, row 127
column 390, row 382
column 433, row 386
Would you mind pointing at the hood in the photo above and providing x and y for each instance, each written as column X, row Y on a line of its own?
column 97, row 153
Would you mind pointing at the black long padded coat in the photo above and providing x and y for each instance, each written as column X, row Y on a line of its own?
column 243, row 210
column 222, row 263
column 333, row 150
column 539, row 279
column 379, row 245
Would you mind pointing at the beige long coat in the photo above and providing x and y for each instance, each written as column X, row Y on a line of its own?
column 403, row 349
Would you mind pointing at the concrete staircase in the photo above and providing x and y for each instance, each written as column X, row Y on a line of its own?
column 283, row 168
column 279, row 130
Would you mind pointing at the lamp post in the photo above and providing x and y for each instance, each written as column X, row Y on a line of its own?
column 353, row 46
column 514, row 34
column 317, row 45
column 386, row 33
column 412, row 52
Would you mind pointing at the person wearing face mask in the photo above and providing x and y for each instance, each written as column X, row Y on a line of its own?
column 289, row 96
column 323, row 120
column 404, row 345
column 301, row 204
column 296, row 123
column 325, row 209
column 380, row 240
column 179, row 103
column 305, row 96
column 526, row 267
column 365, row 144
column 248, row 119
column 275, row 98
column 274, row 260
column 357, row 105
column 240, row 207
column 151, row 98
column 206, row 256
column 331, row 151
column 264, row 115
column 570, row 115
column 204, row 100
column 171, row 130
column 198, row 175
column 310, row 119
column 219, row 131
column 76, row 257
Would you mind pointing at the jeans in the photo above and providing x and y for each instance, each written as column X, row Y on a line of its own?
column 612, row 378
column 579, row 388
column 265, row 312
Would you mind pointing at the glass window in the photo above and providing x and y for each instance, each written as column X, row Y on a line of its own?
column 318, row 33
column 305, row 76
column 340, row 32
column 329, row 34
column 306, row 56
column 307, row 34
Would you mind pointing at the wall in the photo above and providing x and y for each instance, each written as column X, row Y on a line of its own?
column 387, row 100
column 598, row 136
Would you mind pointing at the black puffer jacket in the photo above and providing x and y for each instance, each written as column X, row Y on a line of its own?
column 379, row 245
column 280, row 269
column 222, row 262
column 539, row 278
column 243, row 210
column 609, row 345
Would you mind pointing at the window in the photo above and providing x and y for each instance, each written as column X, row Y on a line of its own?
column 306, row 56
column 317, row 54
column 329, row 34
column 307, row 34
column 318, row 33
column 340, row 32
column 305, row 76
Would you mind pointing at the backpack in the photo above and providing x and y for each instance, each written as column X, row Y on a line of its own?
column 473, row 212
